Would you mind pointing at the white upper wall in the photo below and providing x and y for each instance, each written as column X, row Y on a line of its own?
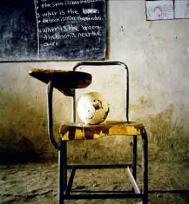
column 157, row 54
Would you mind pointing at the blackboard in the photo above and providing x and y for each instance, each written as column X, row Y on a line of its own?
column 52, row 30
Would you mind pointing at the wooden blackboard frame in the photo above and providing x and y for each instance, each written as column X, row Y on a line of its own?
column 106, row 46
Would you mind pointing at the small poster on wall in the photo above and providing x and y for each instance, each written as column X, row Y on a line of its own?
column 167, row 9
column 181, row 8
column 158, row 10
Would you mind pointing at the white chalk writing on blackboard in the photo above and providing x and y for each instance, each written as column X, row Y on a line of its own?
column 57, row 21
column 53, row 30
column 37, row 27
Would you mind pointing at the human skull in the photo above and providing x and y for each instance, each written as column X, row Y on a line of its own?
column 92, row 108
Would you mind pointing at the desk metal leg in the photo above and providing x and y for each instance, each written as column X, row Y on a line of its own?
column 134, row 164
column 145, row 166
column 62, row 171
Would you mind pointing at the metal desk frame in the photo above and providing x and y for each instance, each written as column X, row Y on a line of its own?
column 65, row 184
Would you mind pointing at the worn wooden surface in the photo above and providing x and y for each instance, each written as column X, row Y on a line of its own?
column 62, row 80
column 81, row 131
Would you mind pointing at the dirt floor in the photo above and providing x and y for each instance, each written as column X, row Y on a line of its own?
column 37, row 183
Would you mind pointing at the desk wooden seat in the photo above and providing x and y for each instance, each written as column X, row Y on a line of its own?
column 79, row 131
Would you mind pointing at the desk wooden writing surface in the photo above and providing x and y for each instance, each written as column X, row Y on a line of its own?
column 61, row 79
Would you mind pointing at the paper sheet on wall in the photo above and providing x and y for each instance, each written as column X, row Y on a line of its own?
column 158, row 10
column 181, row 8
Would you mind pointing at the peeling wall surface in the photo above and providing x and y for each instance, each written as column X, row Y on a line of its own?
column 157, row 54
